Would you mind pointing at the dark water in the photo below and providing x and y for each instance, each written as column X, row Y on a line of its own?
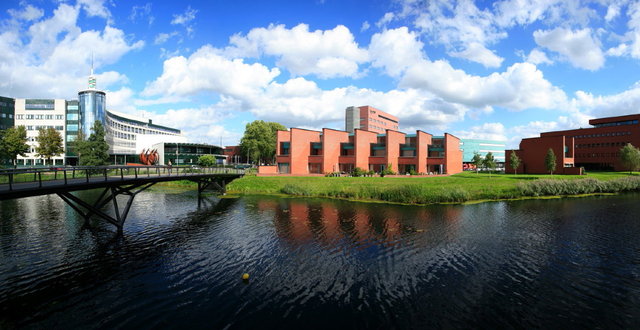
column 323, row 264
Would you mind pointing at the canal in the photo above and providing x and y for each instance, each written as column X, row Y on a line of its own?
column 316, row 263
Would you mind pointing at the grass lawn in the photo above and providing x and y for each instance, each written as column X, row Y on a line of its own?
column 415, row 190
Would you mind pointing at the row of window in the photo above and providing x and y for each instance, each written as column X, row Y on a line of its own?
column 601, row 145
column 598, row 155
column 39, row 106
column 40, row 117
column 602, row 135
column 6, row 115
column 4, row 104
column 37, row 127
column 134, row 128
column 618, row 123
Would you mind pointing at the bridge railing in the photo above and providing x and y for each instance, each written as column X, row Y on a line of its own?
column 74, row 174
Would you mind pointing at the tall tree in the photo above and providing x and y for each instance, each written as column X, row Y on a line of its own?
column 477, row 160
column 550, row 161
column 94, row 151
column 489, row 162
column 49, row 143
column 630, row 157
column 259, row 141
column 14, row 143
column 514, row 161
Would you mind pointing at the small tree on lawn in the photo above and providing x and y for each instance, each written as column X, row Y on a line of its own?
column 489, row 162
column 477, row 160
column 630, row 157
column 207, row 160
column 550, row 161
column 14, row 143
column 514, row 162
column 49, row 143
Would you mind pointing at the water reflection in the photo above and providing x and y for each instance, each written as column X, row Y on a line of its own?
column 322, row 263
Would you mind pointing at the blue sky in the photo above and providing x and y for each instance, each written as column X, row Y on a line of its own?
column 497, row 70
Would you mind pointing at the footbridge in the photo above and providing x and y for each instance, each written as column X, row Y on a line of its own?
column 113, row 180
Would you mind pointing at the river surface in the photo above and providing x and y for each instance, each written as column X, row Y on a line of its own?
column 327, row 264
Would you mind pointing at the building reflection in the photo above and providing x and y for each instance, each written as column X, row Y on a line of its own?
column 301, row 221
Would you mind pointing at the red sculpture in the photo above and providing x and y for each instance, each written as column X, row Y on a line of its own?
column 149, row 156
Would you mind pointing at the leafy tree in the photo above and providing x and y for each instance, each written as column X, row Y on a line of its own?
column 630, row 157
column 477, row 160
column 49, row 143
column 514, row 161
column 93, row 151
column 550, row 161
column 14, row 143
column 489, row 162
column 207, row 160
column 259, row 141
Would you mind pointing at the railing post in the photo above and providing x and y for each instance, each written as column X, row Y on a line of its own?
column 121, row 175
column 135, row 170
column 86, row 171
column 10, row 181
column 65, row 176
column 40, row 178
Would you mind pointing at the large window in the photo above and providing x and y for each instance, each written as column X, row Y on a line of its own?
column 283, row 168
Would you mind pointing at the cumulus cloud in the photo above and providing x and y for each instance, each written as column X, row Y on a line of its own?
column 325, row 54
column 537, row 57
column 28, row 13
column 206, row 70
column 520, row 87
column 184, row 18
column 52, row 53
column 579, row 47
column 395, row 50
column 486, row 131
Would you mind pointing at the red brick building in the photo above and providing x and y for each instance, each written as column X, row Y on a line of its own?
column 369, row 119
column 301, row 151
column 594, row 148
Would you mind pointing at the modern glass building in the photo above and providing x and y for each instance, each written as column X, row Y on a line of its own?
column 7, row 111
column 92, row 106
column 187, row 153
column 483, row 147
column 73, row 128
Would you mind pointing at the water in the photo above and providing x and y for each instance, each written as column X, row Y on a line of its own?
column 322, row 264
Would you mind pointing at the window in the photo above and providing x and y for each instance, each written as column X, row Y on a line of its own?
column 59, row 128
column 19, row 116
column 59, row 117
column 29, row 116
column 4, row 115
column 29, row 128
column 72, row 127
column 72, row 116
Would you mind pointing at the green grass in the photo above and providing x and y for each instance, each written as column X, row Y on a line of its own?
column 426, row 190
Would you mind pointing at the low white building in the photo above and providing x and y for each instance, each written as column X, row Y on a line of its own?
column 34, row 114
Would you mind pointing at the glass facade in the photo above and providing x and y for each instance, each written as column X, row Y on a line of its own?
column 73, row 124
column 469, row 146
column 92, row 107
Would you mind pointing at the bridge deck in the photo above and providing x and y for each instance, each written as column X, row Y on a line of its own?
column 71, row 179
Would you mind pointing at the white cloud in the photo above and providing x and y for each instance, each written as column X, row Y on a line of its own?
column 206, row 70
column 385, row 20
column 537, row 57
column 95, row 8
column 184, row 18
column 55, row 55
column 142, row 12
column 326, row 54
column 365, row 26
column 476, row 52
column 29, row 13
column 486, row 131
column 624, row 103
column 579, row 47
column 520, row 87
column 164, row 37
column 395, row 50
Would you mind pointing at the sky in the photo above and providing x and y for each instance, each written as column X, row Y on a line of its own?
column 500, row 70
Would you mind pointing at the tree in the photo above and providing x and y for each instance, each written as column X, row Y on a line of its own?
column 49, row 143
column 630, row 157
column 477, row 160
column 550, row 161
column 489, row 162
column 207, row 160
column 259, row 141
column 14, row 143
column 93, row 151
column 514, row 161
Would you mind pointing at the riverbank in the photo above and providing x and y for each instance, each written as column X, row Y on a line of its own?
column 459, row 188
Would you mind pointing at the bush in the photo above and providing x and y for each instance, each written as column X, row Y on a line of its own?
column 547, row 187
column 358, row 172
column 207, row 160
column 294, row 189
column 387, row 171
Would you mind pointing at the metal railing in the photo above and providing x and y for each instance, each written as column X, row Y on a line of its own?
column 77, row 174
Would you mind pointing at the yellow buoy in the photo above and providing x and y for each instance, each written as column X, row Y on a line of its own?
column 245, row 276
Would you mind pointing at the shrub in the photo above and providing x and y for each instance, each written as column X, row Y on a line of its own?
column 387, row 171
column 577, row 187
column 297, row 190
column 358, row 172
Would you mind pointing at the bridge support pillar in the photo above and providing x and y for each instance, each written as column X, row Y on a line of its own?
column 109, row 194
column 217, row 184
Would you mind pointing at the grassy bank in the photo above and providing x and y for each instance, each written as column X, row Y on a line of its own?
column 458, row 188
